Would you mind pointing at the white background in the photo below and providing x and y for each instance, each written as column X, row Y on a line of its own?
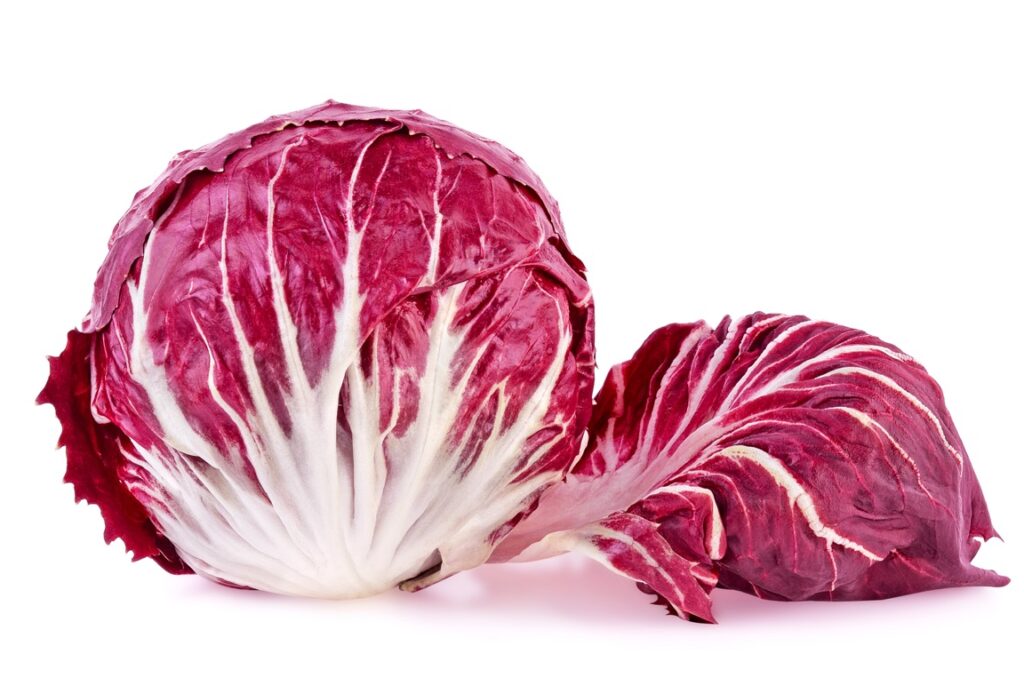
column 858, row 162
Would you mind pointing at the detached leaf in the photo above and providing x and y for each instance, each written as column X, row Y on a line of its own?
column 828, row 454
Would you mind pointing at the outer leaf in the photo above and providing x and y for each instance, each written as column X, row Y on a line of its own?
column 829, row 454
column 94, row 458
column 341, row 349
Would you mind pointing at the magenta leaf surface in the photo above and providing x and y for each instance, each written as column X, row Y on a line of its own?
column 788, row 458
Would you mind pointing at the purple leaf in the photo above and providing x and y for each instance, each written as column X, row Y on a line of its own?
column 788, row 458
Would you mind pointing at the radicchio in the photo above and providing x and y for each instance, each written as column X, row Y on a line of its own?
column 339, row 350
column 788, row 458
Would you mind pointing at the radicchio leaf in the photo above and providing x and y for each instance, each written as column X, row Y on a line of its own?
column 341, row 349
column 788, row 458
